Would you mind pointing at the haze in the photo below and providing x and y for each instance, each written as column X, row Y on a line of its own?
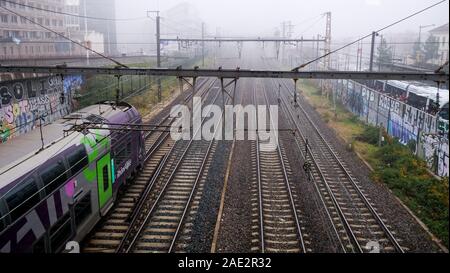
column 350, row 18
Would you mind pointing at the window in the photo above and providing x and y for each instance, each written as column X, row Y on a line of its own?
column 82, row 209
column 39, row 245
column 123, row 154
column 53, row 177
column 22, row 199
column 4, row 18
column 60, row 233
column 78, row 160
column 2, row 221
column 14, row 19
column 105, row 178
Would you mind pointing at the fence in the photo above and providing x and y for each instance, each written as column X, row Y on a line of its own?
column 410, row 125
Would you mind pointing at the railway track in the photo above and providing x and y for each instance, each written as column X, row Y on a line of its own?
column 108, row 235
column 356, row 222
column 278, row 224
column 163, row 222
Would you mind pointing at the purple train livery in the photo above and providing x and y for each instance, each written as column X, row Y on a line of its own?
column 56, row 190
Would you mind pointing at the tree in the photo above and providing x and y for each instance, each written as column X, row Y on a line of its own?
column 384, row 52
column 431, row 48
column 418, row 51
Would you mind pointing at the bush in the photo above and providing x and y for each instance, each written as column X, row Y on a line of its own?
column 407, row 176
column 369, row 135
column 326, row 117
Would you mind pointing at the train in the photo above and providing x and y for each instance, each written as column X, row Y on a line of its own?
column 416, row 94
column 54, row 191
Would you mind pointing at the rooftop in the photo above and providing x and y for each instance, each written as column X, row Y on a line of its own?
column 441, row 29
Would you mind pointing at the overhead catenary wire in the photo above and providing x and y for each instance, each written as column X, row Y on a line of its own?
column 71, row 14
column 368, row 35
column 65, row 37
column 312, row 25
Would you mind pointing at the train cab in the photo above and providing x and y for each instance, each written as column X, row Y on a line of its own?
column 54, row 189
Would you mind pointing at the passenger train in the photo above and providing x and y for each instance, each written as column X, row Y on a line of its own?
column 56, row 193
column 416, row 94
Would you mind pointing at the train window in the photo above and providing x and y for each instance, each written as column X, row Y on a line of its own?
column 122, row 155
column 54, row 176
column 39, row 245
column 60, row 233
column 129, row 147
column 78, row 160
column 22, row 199
column 83, row 209
column 105, row 178
column 2, row 221
column 444, row 112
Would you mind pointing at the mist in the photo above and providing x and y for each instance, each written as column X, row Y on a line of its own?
column 350, row 18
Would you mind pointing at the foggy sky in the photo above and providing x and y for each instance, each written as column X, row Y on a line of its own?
column 350, row 18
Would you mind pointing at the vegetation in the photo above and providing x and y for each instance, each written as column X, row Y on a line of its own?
column 394, row 164
column 431, row 48
column 140, row 91
column 424, row 52
column 407, row 176
column 370, row 135
column 384, row 52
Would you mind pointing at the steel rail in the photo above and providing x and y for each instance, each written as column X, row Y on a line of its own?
column 353, row 183
column 286, row 179
column 160, row 140
column 342, row 216
column 261, row 216
column 149, row 213
column 194, row 187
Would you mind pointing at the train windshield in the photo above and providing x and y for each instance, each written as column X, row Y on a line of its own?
column 443, row 114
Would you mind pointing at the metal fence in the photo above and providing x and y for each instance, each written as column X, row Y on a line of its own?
column 428, row 133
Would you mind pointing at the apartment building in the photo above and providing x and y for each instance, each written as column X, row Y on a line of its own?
column 442, row 37
column 22, row 39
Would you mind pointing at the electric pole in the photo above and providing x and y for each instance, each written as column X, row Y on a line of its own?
column 203, row 44
column 372, row 49
column 86, row 31
column 158, row 49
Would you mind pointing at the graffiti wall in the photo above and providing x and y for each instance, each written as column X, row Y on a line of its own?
column 24, row 104
column 404, row 122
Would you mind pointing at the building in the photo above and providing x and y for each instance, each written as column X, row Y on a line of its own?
column 441, row 34
column 95, row 41
column 21, row 39
column 101, row 9
column 181, row 21
column 73, row 23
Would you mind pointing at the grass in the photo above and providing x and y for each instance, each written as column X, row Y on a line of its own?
column 407, row 176
column 393, row 163
column 346, row 125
